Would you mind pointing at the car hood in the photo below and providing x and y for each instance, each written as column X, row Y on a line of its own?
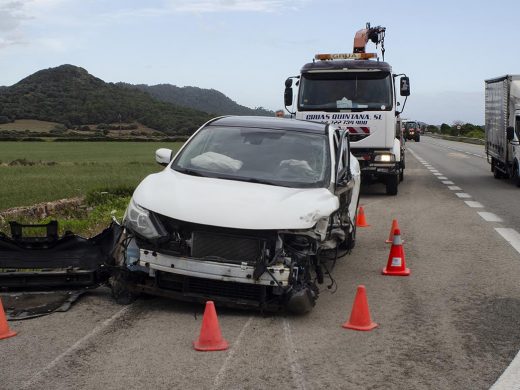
column 233, row 204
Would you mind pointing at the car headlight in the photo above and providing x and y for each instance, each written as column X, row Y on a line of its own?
column 384, row 157
column 138, row 220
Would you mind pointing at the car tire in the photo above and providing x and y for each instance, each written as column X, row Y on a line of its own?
column 120, row 287
column 418, row 138
column 392, row 182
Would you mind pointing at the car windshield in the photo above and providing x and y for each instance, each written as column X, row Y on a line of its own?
column 276, row 157
column 335, row 91
column 411, row 125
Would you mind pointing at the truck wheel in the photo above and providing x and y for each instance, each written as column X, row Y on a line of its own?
column 401, row 174
column 391, row 184
column 496, row 173
column 418, row 138
column 516, row 175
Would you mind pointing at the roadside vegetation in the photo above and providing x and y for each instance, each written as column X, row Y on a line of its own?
column 458, row 129
column 34, row 172
column 94, row 215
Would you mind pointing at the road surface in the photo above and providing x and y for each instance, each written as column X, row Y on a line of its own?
column 452, row 324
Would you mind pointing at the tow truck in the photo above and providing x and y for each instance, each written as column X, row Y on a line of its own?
column 356, row 91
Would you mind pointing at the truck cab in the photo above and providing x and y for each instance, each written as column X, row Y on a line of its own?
column 411, row 131
column 358, row 95
column 356, row 91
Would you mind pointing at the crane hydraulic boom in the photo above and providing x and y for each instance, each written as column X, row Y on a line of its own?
column 374, row 34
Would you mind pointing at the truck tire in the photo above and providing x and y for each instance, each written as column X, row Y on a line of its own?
column 496, row 173
column 418, row 138
column 392, row 182
column 516, row 174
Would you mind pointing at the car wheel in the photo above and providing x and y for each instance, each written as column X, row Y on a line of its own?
column 418, row 138
column 391, row 184
column 120, row 286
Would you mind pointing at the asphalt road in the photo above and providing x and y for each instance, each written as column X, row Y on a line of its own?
column 452, row 324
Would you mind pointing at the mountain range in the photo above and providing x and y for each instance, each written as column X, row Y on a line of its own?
column 70, row 95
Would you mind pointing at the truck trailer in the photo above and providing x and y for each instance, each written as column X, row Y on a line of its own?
column 503, row 126
column 356, row 91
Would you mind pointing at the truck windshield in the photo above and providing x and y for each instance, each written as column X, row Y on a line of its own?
column 275, row 157
column 356, row 91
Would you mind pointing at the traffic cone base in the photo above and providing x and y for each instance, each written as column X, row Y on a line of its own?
column 361, row 220
column 10, row 333
column 5, row 332
column 405, row 272
column 396, row 265
column 210, row 338
column 360, row 315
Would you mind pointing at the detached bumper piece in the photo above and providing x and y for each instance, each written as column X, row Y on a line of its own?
column 32, row 261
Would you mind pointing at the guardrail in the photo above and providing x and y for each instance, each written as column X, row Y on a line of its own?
column 476, row 141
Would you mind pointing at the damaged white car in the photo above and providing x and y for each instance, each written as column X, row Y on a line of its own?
column 243, row 214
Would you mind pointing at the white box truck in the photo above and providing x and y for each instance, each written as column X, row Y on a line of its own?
column 356, row 91
column 503, row 126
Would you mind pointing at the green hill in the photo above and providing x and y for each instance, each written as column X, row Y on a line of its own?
column 70, row 95
column 207, row 100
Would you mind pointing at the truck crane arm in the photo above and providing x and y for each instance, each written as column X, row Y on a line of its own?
column 374, row 34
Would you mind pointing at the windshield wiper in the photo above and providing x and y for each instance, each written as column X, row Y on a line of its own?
column 249, row 180
column 189, row 172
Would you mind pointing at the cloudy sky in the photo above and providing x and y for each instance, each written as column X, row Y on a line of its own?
column 247, row 48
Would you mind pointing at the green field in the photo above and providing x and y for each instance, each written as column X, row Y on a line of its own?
column 68, row 169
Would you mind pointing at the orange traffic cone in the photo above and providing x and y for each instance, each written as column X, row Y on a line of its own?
column 396, row 265
column 5, row 332
column 395, row 225
column 361, row 220
column 210, row 338
column 360, row 315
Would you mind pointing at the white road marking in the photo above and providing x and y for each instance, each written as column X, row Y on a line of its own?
column 511, row 236
column 296, row 370
column 437, row 173
column 77, row 345
column 509, row 379
column 462, row 195
column 447, row 182
column 472, row 203
column 490, row 217
column 220, row 375
column 455, row 188
column 442, row 178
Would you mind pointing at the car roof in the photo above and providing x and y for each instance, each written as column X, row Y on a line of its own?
column 265, row 122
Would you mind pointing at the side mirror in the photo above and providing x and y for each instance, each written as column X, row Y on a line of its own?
column 163, row 156
column 510, row 133
column 405, row 86
column 288, row 94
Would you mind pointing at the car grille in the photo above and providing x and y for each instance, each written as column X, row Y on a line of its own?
column 212, row 288
column 226, row 248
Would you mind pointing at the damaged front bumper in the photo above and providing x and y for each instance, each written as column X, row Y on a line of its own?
column 41, row 262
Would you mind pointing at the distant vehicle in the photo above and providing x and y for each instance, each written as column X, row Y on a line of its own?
column 241, row 215
column 357, row 94
column 503, row 126
column 412, row 130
